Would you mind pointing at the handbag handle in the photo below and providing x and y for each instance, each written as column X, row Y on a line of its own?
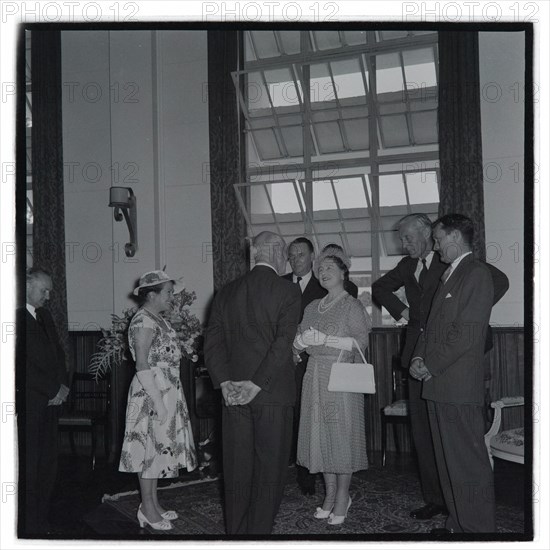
column 354, row 341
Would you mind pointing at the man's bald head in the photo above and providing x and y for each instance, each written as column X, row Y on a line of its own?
column 270, row 248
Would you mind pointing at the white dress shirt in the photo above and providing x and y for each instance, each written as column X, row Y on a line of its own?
column 304, row 281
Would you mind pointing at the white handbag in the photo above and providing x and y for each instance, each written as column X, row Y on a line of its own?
column 352, row 377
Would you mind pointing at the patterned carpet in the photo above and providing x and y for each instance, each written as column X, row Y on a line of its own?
column 382, row 499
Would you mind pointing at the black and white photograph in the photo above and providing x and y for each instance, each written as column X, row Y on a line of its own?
column 273, row 273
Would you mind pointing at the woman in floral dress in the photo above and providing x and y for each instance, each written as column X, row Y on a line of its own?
column 158, row 440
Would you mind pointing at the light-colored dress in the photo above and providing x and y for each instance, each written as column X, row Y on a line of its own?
column 331, row 437
column 158, row 451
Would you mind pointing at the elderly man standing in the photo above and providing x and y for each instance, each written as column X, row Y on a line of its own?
column 419, row 273
column 449, row 360
column 248, row 353
column 42, row 387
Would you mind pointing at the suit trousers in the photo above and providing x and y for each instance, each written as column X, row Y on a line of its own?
column 465, row 472
column 256, row 447
column 40, row 467
column 424, row 447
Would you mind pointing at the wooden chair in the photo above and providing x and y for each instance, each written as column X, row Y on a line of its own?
column 397, row 412
column 506, row 444
column 87, row 408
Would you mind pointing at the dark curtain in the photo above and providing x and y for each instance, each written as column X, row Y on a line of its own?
column 460, row 131
column 47, row 167
column 226, row 158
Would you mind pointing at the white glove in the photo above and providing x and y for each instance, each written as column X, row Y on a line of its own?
column 147, row 380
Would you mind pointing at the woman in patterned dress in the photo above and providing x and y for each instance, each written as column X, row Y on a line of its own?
column 158, row 440
column 331, row 436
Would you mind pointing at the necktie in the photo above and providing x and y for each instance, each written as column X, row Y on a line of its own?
column 446, row 274
column 423, row 274
column 298, row 279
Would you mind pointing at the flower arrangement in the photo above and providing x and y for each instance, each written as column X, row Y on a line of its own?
column 112, row 347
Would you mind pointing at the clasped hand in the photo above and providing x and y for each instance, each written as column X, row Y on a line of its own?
column 239, row 392
column 418, row 369
column 313, row 337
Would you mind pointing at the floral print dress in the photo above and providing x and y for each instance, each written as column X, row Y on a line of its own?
column 154, row 450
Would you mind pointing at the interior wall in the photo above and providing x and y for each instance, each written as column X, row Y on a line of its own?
column 502, row 80
column 134, row 115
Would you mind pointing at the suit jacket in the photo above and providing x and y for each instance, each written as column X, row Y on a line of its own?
column 313, row 291
column 40, row 359
column 452, row 344
column 250, row 334
column 420, row 299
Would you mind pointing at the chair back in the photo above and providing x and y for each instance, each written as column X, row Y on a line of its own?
column 400, row 380
column 88, row 395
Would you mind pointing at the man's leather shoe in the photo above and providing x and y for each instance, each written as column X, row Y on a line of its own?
column 440, row 531
column 428, row 511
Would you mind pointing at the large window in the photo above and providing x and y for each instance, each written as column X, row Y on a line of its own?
column 341, row 139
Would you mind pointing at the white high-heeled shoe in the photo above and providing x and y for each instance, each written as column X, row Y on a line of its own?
column 338, row 520
column 322, row 514
column 170, row 514
column 163, row 525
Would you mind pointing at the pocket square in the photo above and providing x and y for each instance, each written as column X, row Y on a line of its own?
column 448, row 296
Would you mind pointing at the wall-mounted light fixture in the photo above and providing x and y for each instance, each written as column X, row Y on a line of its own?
column 122, row 199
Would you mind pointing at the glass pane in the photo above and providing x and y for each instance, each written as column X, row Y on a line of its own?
column 329, row 138
column 248, row 50
column 353, row 38
column 357, row 132
column 255, row 93
column 265, row 44
column 388, row 73
column 422, row 187
column 424, row 127
column 392, row 190
column 293, row 139
column 394, row 131
column 350, row 194
column 260, row 210
column 391, row 35
column 266, row 144
column 360, row 244
column 281, row 88
column 323, row 197
column 419, row 68
column 327, row 40
column 321, row 89
column 284, row 198
column 348, row 79
column 291, row 41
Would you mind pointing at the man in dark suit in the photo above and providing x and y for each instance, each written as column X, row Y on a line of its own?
column 419, row 274
column 300, row 256
column 42, row 386
column 248, row 353
column 449, row 360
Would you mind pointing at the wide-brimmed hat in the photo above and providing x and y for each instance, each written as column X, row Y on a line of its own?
column 153, row 278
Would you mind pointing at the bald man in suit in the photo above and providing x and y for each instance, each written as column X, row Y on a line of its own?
column 248, row 353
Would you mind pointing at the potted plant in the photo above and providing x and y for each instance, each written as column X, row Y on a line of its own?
column 112, row 348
